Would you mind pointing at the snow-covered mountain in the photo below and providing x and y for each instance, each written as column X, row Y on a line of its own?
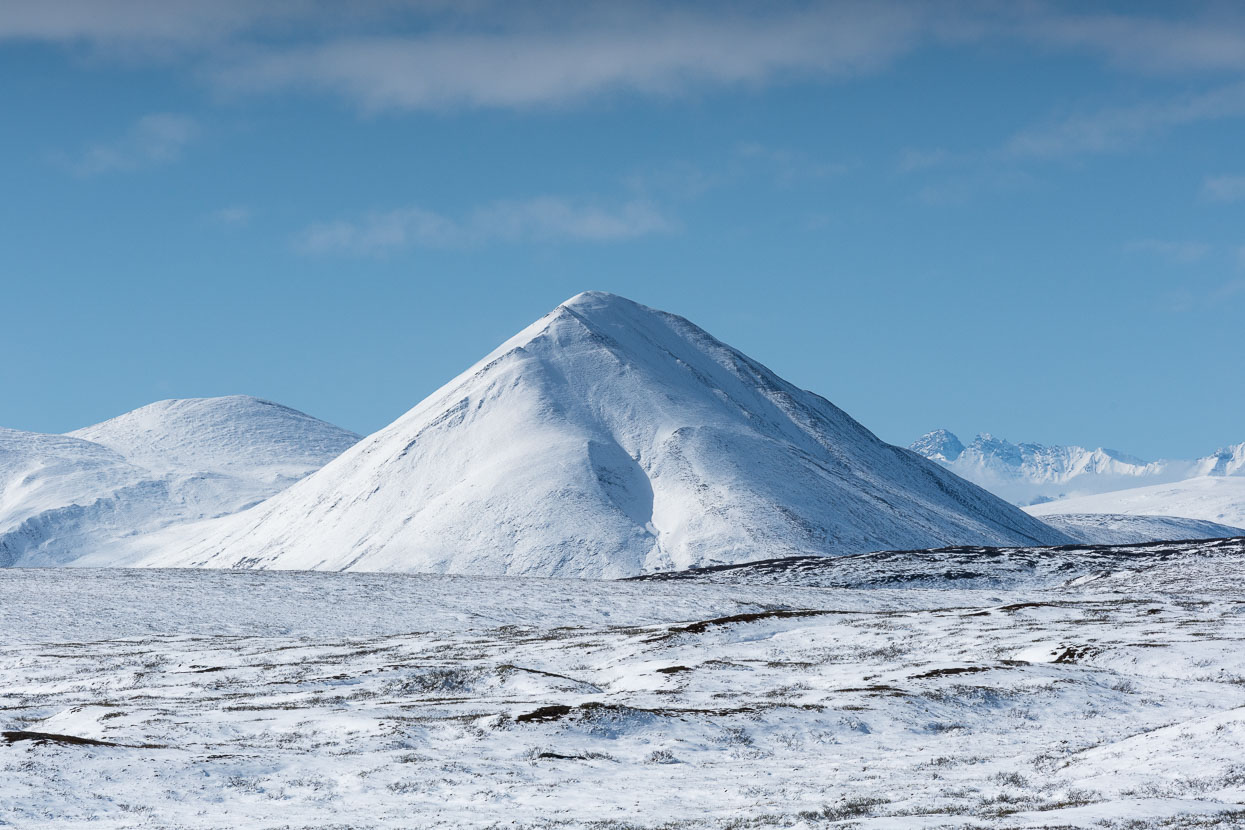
column 92, row 494
column 608, row 439
column 238, row 434
column 1211, row 498
column 1117, row 529
column 1027, row 473
column 1065, row 485
column 1229, row 461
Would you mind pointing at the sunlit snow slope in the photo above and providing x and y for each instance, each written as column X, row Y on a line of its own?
column 1213, row 498
column 1115, row 529
column 90, row 496
column 604, row 440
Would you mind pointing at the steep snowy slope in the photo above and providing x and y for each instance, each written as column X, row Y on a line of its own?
column 91, row 495
column 1229, row 461
column 1212, row 498
column 1030, row 473
column 608, row 439
column 1114, row 529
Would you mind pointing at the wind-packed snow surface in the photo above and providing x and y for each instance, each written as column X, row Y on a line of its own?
column 604, row 440
column 1114, row 529
column 91, row 496
column 1080, row 687
column 1213, row 498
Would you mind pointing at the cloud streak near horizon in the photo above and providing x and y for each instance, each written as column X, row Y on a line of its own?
column 152, row 140
column 545, row 218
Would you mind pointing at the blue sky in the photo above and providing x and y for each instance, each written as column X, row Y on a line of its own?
column 1022, row 218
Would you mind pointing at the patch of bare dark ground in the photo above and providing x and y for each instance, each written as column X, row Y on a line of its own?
column 778, row 614
column 595, row 710
column 966, row 566
column 557, row 756
column 545, row 713
column 947, row 672
column 18, row 735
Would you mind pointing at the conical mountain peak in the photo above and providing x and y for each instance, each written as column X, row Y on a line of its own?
column 609, row 439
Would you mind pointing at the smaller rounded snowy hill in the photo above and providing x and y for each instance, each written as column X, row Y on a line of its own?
column 236, row 434
column 608, row 439
column 91, row 495
column 1115, row 529
column 1210, row 498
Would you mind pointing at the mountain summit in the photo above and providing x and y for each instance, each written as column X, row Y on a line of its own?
column 92, row 495
column 609, row 439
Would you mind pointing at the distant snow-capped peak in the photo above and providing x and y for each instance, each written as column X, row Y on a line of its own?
column 1228, row 461
column 1030, row 473
column 1026, row 473
column 939, row 445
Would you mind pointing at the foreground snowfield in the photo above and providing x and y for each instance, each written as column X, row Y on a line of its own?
column 1053, row 688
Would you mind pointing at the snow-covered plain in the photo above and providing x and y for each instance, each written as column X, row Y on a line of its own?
column 1061, row 687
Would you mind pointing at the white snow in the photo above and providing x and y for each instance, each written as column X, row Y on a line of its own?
column 92, row 495
column 1072, row 689
column 1028, row 473
column 607, row 439
column 236, row 434
column 1114, row 529
column 1073, row 480
column 1211, row 498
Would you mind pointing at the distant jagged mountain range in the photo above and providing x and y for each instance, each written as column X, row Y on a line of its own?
column 1030, row 474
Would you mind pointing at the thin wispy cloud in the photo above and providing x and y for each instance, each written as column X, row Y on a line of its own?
column 913, row 160
column 435, row 54
column 233, row 215
column 152, row 140
column 164, row 29
column 543, row 219
column 1210, row 38
column 1120, row 127
column 653, row 53
column 1224, row 189
column 792, row 166
column 1176, row 253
